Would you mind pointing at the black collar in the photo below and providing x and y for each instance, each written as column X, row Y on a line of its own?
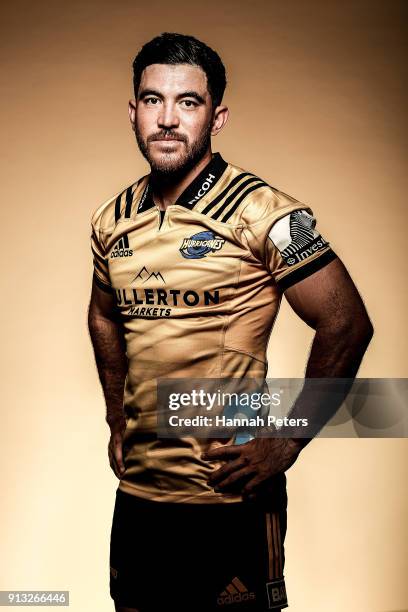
column 193, row 193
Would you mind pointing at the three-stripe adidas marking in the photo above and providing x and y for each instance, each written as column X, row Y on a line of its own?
column 229, row 206
column 235, row 592
column 121, row 248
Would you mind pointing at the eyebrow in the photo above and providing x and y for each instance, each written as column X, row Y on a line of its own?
column 184, row 94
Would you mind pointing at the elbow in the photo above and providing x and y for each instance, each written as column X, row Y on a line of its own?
column 92, row 324
column 92, row 319
column 369, row 331
column 354, row 330
column 364, row 329
column 96, row 323
column 98, row 318
column 358, row 331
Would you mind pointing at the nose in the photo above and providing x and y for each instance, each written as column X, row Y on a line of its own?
column 167, row 117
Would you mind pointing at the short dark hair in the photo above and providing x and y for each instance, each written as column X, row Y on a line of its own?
column 172, row 48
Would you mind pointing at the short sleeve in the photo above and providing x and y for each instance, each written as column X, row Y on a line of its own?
column 100, row 263
column 294, row 248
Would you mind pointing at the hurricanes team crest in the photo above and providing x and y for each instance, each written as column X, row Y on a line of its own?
column 199, row 245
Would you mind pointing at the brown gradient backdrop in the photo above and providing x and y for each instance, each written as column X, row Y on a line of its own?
column 317, row 92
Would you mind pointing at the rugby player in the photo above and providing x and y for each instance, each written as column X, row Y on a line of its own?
column 190, row 265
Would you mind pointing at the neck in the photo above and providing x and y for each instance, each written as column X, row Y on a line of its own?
column 167, row 189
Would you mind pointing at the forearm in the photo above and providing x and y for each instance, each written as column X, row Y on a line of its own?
column 110, row 354
column 336, row 355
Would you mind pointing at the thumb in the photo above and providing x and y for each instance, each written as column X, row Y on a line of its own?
column 118, row 452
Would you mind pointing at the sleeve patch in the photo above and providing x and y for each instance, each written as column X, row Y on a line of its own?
column 296, row 238
column 307, row 270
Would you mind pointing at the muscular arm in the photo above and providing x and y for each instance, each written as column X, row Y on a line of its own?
column 110, row 353
column 329, row 302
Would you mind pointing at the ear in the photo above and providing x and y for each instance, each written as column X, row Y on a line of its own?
column 132, row 113
column 220, row 117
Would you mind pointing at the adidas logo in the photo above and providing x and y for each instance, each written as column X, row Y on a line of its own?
column 121, row 248
column 235, row 592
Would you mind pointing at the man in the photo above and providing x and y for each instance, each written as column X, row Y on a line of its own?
column 191, row 262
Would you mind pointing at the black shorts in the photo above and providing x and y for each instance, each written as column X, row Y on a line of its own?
column 201, row 557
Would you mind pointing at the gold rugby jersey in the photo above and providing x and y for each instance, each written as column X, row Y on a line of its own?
column 198, row 292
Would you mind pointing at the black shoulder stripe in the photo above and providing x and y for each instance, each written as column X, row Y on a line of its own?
column 223, row 193
column 98, row 265
column 129, row 200
column 233, row 195
column 94, row 236
column 306, row 270
column 95, row 254
column 241, row 198
column 117, row 206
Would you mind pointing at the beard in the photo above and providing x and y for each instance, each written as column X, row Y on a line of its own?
column 170, row 167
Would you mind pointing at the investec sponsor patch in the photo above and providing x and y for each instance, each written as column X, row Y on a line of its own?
column 296, row 238
column 276, row 594
column 306, row 251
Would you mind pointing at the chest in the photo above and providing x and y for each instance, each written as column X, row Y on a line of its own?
column 182, row 251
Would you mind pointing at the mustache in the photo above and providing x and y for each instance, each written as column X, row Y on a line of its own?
column 166, row 135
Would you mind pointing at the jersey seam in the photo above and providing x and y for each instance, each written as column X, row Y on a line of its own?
column 242, row 211
column 107, row 232
column 228, row 321
column 193, row 211
column 175, row 495
column 279, row 213
column 238, row 350
column 104, row 240
column 111, row 202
